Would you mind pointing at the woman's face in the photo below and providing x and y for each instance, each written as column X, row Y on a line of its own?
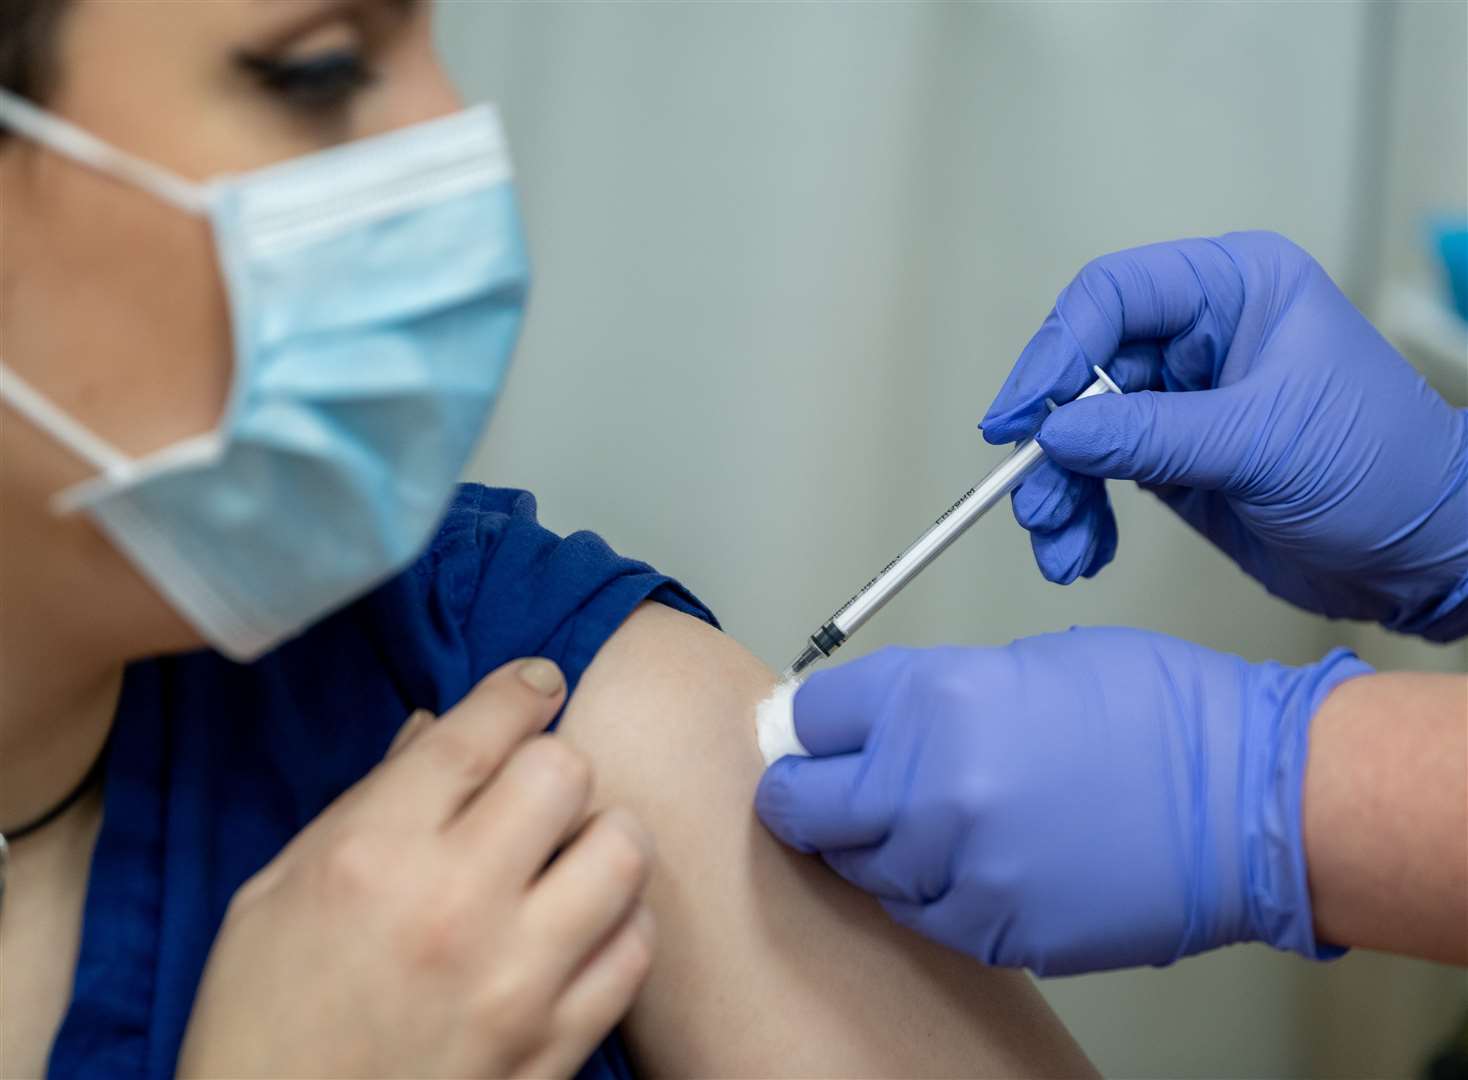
column 111, row 303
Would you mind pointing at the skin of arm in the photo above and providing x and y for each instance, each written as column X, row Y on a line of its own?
column 767, row 963
column 1386, row 815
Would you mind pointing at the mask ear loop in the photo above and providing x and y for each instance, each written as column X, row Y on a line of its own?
column 64, row 137
column 96, row 451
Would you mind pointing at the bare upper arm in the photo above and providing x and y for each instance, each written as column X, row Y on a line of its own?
column 768, row 964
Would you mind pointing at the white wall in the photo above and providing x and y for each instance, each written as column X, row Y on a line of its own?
column 785, row 254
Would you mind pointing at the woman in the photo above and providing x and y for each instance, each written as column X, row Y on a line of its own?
column 233, row 416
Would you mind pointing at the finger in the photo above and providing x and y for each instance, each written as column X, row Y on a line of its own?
column 1083, row 544
column 813, row 804
column 980, row 933
column 607, row 986
column 1106, row 541
column 873, row 870
column 1050, row 497
column 915, row 862
column 410, row 730
column 1052, row 367
column 988, row 932
column 859, row 866
column 447, row 762
column 591, row 887
column 1187, row 293
column 539, row 799
column 1138, row 365
column 1201, row 439
column 834, row 709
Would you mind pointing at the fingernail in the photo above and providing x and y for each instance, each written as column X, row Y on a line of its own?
column 542, row 676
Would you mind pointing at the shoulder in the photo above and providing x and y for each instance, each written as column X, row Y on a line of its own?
column 495, row 585
column 505, row 575
column 667, row 690
column 752, row 935
column 661, row 652
column 666, row 714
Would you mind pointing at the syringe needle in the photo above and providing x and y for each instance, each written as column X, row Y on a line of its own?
column 808, row 656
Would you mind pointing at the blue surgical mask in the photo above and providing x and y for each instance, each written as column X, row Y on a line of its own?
column 376, row 292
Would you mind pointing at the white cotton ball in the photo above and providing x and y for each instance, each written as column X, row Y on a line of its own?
column 774, row 723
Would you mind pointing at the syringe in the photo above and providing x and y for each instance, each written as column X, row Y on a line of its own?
column 1005, row 477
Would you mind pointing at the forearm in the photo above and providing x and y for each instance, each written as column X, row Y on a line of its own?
column 1386, row 815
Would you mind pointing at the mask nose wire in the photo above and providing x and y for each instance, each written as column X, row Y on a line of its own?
column 62, row 136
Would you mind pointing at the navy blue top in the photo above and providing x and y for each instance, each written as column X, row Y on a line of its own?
column 214, row 766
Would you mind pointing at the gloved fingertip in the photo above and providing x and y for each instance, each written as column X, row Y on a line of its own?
column 1056, row 564
column 774, row 802
column 1028, row 504
column 1094, row 436
column 1064, row 554
column 835, row 708
column 1106, row 543
column 1003, row 428
column 1099, row 562
column 1063, row 440
column 1050, row 498
column 1137, row 365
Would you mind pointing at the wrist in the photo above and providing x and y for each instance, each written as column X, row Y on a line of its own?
column 1276, row 892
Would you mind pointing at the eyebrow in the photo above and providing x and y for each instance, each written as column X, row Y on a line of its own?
column 307, row 14
column 344, row 3
column 327, row 7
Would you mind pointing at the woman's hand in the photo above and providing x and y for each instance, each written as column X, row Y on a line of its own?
column 1267, row 412
column 415, row 928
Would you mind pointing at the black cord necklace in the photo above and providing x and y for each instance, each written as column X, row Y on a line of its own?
column 67, row 801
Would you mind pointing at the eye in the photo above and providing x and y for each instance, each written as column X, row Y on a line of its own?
column 321, row 81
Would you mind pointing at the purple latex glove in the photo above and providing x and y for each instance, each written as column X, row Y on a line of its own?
column 1095, row 799
column 1310, row 452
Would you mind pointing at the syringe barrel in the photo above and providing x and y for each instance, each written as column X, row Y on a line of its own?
column 980, row 499
column 992, row 489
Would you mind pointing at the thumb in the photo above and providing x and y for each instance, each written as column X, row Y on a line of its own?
column 808, row 803
column 1196, row 438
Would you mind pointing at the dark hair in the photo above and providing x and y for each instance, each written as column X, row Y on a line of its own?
column 28, row 46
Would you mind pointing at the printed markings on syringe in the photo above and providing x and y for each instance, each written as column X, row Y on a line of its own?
column 883, row 572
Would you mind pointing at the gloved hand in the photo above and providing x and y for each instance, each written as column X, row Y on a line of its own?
column 1311, row 453
column 1079, row 801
